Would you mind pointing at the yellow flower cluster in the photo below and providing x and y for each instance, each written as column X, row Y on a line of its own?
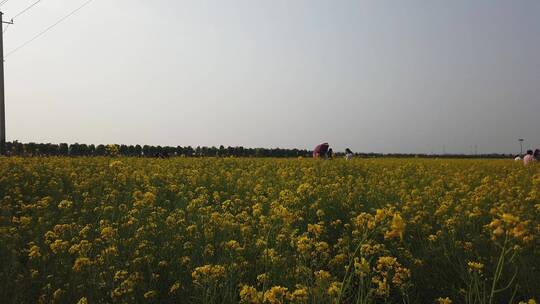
column 229, row 230
column 208, row 274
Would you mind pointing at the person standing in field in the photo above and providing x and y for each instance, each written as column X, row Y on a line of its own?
column 330, row 153
column 537, row 154
column 321, row 150
column 528, row 158
column 348, row 154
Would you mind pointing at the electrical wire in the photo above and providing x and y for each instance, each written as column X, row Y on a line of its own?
column 3, row 2
column 20, row 13
column 26, row 9
column 48, row 28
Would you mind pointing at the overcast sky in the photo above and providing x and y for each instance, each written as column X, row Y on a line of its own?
column 381, row 76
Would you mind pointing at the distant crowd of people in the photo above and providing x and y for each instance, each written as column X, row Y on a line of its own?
column 323, row 151
column 529, row 158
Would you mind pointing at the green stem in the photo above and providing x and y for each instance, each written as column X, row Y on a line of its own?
column 351, row 261
column 498, row 271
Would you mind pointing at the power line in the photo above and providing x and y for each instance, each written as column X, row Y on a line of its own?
column 48, row 28
column 20, row 13
column 26, row 9
column 3, row 2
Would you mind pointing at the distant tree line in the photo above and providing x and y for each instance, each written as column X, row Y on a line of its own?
column 16, row 148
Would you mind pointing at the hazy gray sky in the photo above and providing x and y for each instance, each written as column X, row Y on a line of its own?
column 382, row 76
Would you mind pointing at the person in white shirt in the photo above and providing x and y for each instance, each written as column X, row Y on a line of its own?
column 517, row 158
column 348, row 154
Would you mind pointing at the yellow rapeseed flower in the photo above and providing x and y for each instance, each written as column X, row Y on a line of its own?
column 276, row 295
column 250, row 295
column 445, row 300
column 475, row 266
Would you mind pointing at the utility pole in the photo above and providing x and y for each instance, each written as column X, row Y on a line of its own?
column 521, row 146
column 2, row 93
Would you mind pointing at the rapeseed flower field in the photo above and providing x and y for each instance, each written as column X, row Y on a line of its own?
column 226, row 230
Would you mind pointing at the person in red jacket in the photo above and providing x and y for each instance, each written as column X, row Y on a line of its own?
column 321, row 151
